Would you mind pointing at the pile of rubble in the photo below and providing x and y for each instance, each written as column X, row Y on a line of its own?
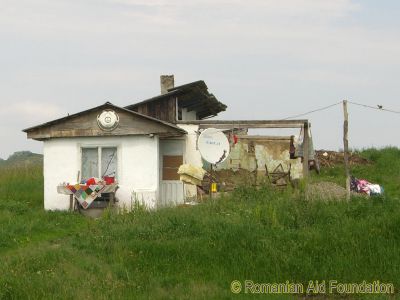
column 332, row 158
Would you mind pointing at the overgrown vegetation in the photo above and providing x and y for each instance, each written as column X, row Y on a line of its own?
column 384, row 170
column 195, row 252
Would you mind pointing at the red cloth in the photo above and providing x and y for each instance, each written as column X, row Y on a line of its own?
column 91, row 181
column 109, row 180
column 235, row 139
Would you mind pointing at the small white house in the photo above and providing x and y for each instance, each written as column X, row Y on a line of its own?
column 141, row 145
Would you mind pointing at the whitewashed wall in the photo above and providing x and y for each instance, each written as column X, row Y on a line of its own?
column 188, row 115
column 138, row 168
column 191, row 156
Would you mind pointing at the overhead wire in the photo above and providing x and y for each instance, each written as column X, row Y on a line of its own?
column 313, row 111
column 373, row 107
column 379, row 107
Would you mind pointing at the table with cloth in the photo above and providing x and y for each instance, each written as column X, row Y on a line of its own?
column 85, row 194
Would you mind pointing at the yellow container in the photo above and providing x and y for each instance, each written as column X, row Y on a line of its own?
column 213, row 187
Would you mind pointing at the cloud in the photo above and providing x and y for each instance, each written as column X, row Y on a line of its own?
column 49, row 17
column 30, row 111
column 301, row 29
column 17, row 115
column 62, row 56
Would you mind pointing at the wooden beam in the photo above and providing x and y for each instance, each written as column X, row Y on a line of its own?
column 86, row 125
column 248, row 126
column 306, row 145
column 264, row 137
column 195, row 106
column 226, row 124
column 188, row 103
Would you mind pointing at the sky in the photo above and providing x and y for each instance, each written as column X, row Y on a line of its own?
column 265, row 59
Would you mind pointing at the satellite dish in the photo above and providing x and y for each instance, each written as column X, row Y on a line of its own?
column 108, row 120
column 213, row 146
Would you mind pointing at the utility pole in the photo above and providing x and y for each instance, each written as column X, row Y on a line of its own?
column 346, row 148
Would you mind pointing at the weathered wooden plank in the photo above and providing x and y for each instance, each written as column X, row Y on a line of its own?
column 246, row 122
column 248, row 126
column 170, row 174
column 157, row 107
column 265, row 137
column 171, row 110
column 172, row 161
column 306, row 143
column 86, row 125
column 171, row 165
column 197, row 107
column 143, row 109
column 163, row 109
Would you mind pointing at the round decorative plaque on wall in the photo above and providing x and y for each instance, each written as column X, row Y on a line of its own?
column 108, row 120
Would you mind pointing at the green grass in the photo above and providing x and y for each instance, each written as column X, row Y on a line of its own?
column 384, row 170
column 195, row 252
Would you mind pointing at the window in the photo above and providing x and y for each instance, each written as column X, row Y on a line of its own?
column 92, row 166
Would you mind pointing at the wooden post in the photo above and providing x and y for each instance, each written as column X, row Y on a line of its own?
column 71, row 202
column 346, row 148
column 111, row 201
column 211, row 182
column 306, row 142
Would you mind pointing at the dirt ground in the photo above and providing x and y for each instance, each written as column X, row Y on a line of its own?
column 228, row 180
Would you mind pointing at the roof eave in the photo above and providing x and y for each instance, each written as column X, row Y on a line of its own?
column 109, row 105
column 199, row 85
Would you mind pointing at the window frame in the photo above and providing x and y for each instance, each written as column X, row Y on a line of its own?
column 99, row 158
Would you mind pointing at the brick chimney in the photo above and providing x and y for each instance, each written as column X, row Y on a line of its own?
column 167, row 82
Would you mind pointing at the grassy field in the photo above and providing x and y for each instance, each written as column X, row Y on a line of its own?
column 196, row 252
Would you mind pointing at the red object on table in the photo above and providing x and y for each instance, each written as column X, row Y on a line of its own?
column 109, row 180
column 91, row 181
